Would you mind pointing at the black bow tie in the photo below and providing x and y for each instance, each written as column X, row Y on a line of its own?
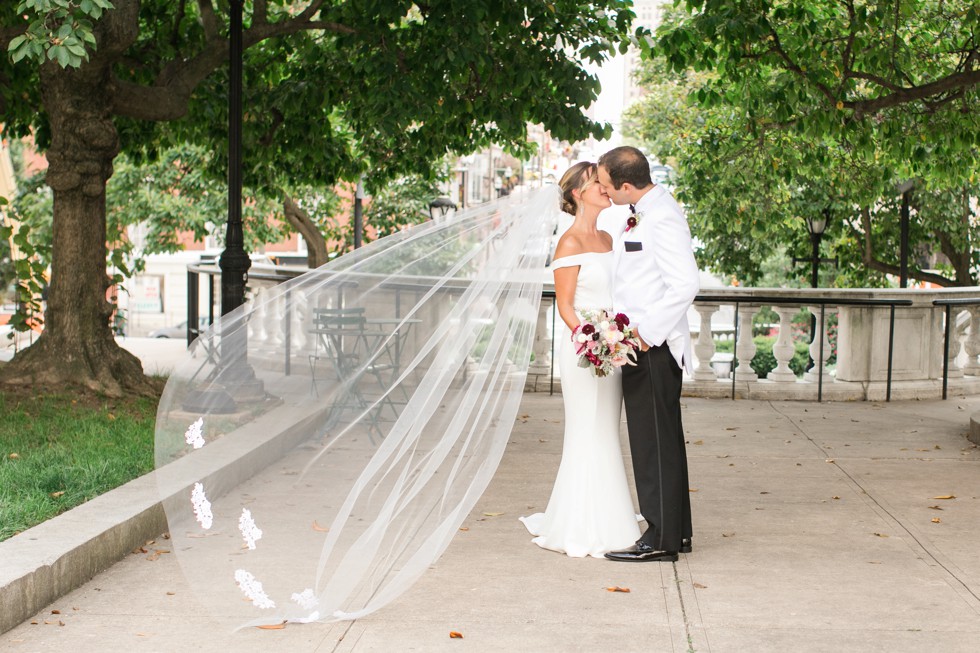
column 632, row 209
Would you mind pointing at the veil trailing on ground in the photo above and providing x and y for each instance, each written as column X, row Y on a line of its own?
column 318, row 448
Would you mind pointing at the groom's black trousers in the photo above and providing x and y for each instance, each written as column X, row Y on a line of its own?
column 652, row 394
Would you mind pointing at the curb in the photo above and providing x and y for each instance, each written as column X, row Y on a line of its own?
column 45, row 562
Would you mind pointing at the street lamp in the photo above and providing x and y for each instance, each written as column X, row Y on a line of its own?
column 816, row 226
column 440, row 206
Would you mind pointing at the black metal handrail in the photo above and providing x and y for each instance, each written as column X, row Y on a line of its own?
column 949, row 303
column 822, row 302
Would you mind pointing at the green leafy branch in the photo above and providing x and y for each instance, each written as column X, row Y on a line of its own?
column 61, row 30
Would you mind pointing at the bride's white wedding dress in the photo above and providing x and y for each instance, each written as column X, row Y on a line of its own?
column 591, row 509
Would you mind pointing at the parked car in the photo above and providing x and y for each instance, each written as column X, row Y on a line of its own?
column 178, row 331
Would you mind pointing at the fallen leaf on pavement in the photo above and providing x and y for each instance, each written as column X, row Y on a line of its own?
column 279, row 626
column 830, row 460
column 936, row 520
column 699, row 442
column 464, row 528
column 835, row 497
column 935, row 508
column 318, row 528
column 728, row 534
column 946, row 496
column 617, row 588
column 493, row 514
column 879, row 534
column 454, row 635
column 700, row 586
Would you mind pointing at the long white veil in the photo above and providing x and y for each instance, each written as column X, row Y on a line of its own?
column 312, row 470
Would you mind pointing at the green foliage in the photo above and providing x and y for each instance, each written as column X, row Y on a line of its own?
column 147, row 208
column 7, row 272
column 775, row 113
column 401, row 203
column 57, row 30
column 177, row 192
column 27, row 270
column 59, row 451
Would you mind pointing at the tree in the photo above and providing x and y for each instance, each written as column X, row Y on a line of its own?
column 333, row 89
column 778, row 111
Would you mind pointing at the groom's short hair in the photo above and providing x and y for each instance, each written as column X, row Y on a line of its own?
column 626, row 164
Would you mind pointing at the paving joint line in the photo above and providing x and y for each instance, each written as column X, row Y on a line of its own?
column 881, row 508
column 680, row 599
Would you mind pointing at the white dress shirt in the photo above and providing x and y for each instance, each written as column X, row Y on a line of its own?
column 656, row 276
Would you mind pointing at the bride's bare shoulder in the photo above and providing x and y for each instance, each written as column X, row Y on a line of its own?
column 568, row 245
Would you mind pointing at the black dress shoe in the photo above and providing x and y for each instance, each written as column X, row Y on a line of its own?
column 642, row 552
column 686, row 546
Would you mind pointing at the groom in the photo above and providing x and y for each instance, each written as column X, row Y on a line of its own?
column 656, row 279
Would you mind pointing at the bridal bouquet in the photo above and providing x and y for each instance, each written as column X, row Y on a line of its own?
column 604, row 342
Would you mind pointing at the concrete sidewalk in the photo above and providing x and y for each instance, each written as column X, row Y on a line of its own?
column 818, row 527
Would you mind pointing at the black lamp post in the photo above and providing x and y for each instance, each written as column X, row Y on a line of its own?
column 816, row 227
column 905, row 189
column 440, row 206
column 359, row 213
column 234, row 262
column 236, row 375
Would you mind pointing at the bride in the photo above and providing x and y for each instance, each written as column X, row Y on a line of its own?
column 591, row 510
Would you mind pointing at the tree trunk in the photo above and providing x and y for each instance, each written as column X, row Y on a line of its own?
column 77, row 347
column 300, row 220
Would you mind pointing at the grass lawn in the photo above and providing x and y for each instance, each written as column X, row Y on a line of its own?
column 57, row 451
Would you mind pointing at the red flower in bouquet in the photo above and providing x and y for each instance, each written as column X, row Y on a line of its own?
column 604, row 343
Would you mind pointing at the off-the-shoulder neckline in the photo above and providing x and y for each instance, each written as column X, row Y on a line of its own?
column 580, row 254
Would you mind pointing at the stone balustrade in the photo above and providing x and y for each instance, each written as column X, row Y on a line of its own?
column 854, row 365
column 851, row 364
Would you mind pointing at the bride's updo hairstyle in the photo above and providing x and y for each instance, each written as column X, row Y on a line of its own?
column 578, row 177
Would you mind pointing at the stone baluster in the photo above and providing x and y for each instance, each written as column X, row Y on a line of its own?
column 783, row 350
column 818, row 365
column 274, row 320
column 258, row 316
column 300, row 320
column 972, row 344
column 745, row 347
column 542, row 342
column 955, row 345
column 704, row 348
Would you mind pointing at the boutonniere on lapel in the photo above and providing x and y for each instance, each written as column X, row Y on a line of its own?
column 634, row 219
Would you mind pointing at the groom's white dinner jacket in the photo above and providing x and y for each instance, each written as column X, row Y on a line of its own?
column 656, row 277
